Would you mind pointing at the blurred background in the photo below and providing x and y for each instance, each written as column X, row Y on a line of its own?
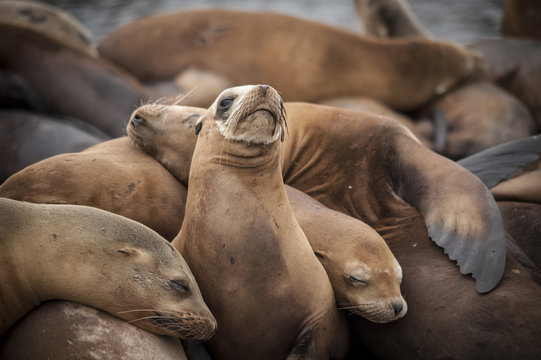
column 458, row 21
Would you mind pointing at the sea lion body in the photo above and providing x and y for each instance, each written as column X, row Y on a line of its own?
column 253, row 263
column 27, row 138
column 97, row 258
column 64, row 330
column 324, row 62
column 114, row 176
column 56, row 78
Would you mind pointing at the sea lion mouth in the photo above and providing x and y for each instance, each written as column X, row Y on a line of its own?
column 184, row 325
column 377, row 312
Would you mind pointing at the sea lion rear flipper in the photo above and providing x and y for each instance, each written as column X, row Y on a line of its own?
column 500, row 162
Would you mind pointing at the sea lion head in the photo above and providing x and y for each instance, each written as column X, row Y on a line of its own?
column 366, row 281
column 251, row 114
column 162, row 295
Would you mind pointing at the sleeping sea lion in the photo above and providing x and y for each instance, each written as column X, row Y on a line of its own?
column 64, row 330
column 306, row 60
column 254, row 265
column 114, row 176
column 94, row 257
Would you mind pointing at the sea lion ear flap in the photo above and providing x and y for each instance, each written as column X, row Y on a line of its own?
column 129, row 251
column 198, row 125
column 320, row 254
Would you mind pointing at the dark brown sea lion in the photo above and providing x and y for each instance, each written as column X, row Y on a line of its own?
column 307, row 61
column 446, row 318
column 338, row 157
column 64, row 330
column 521, row 19
column 254, row 265
column 66, row 81
column 27, row 137
column 113, row 176
column 91, row 256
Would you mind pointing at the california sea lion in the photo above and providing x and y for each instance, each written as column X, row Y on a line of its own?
column 252, row 261
column 94, row 257
column 48, row 20
column 114, row 176
column 65, row 81
column 307, row 61
column 503, row 324
column 27, row 137
column 64, row 330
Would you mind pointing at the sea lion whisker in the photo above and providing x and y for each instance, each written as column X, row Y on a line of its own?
column 184, row 96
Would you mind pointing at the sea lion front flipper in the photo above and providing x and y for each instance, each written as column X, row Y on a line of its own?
column 460, row 213
column 500, row 162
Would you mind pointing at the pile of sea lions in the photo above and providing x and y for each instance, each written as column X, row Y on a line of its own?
column 320, row 214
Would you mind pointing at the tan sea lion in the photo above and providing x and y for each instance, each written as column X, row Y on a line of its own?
column 338, row 157
column 48, row 20
column 521, row 19
column 306, row 60
column 254, row 265
column 94, row 257
column 54, row 78
column 63, row 330
column 28, row 137
column 114, row 176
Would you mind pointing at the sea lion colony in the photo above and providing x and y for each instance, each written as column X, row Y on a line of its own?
column 308, row 168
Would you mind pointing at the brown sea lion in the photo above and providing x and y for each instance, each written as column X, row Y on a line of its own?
column 50, row 21
column 113, row 176
column 521, row 19
column 91, row 256
column 254, row 265
column 503, row 324
column 65, row 81
column 27, row 137
column 307, row 61
column 63, row 330
column 338, row 157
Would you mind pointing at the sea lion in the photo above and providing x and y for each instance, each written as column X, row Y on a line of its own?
column 114, row 176
column 306, row 60
column 27, row 137
column 521, row 19
column 65, row 330
column 503, row 324
column 91, row 256
column 337, row 156
column 254, row 265
column 61, row 80
column 48, row 20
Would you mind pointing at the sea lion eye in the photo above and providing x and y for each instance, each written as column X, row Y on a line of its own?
column 355, row 280
column 226, row 103
column 178, row 285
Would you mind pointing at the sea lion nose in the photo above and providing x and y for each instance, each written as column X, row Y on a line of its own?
column 397, row 308
column 136, row 121
column 264, row 88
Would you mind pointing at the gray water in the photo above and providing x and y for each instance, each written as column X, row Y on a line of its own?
column 461, row 21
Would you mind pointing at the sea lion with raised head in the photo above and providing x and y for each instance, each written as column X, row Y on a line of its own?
column 65, row 330
column 254, row 265
column 94, row 257
column 114, row 176
column 306, row 60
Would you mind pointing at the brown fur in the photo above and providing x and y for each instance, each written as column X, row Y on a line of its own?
column 253, row 263
column 64, row 330
column 91, row 256
column 307, row 61
column 521, row 19
column 114, row 176
column 525, row 186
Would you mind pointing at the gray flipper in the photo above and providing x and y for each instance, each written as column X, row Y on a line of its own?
column 499, row 163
